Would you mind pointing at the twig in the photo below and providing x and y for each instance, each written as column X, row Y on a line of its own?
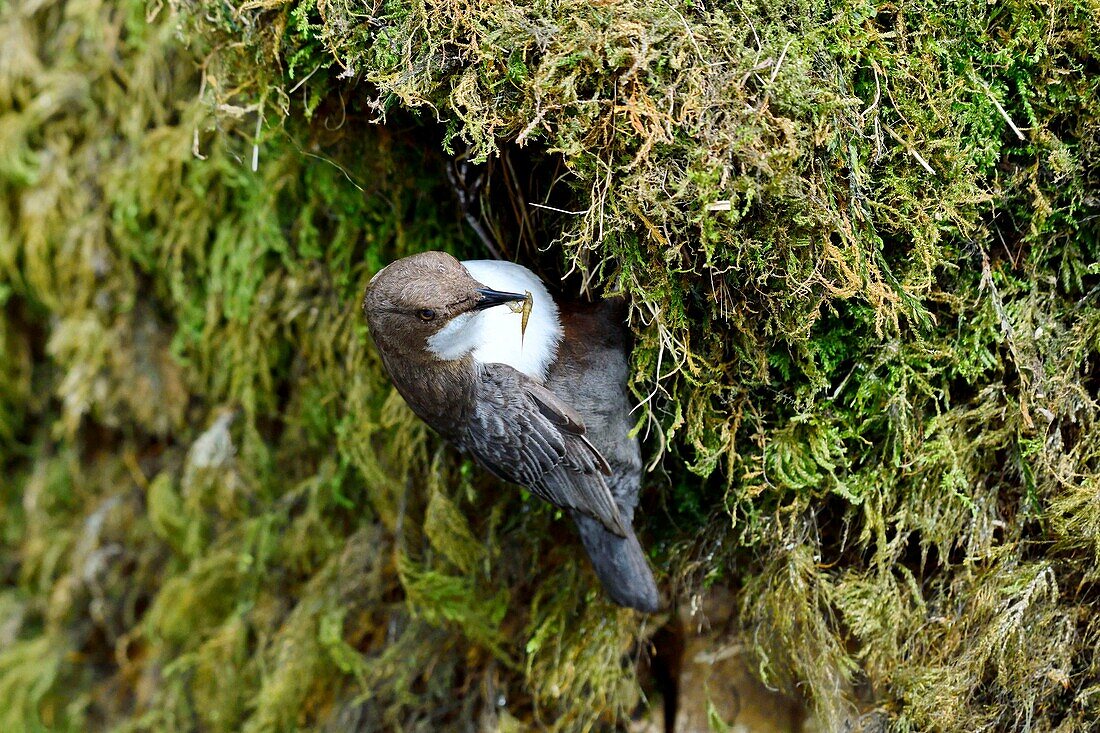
column 989, row 93
column 303, row 81
column 782, row 55
column 522, row 137
column 516, row 198
column 911, row 149
column 690, row 35
column 464, row 203
column 256, row 140
column 560, row 211
column 775, row 72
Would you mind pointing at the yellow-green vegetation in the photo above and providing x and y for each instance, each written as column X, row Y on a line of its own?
column 860, row 243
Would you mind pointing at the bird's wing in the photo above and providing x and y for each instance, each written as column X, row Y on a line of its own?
column 525, row 434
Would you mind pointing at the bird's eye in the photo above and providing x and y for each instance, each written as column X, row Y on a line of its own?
column 426, row 314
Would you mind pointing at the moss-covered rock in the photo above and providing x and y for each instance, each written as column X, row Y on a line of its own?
column 860, row 244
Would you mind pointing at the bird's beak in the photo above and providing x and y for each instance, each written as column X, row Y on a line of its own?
column 490, row 298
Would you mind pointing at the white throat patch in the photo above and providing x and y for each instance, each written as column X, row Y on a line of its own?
column 492, row 336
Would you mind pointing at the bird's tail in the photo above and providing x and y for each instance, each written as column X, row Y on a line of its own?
column 620, row 565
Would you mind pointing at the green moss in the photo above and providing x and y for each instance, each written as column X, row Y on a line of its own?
column 859, row 245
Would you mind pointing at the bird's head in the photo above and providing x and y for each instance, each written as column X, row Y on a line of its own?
column 427, row 304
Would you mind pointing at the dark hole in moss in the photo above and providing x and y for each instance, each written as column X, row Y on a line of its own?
column 515, row 202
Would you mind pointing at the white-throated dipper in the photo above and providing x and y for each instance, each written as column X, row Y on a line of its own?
column 545, row 407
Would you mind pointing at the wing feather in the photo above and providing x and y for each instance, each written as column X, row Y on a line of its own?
column 523, row 433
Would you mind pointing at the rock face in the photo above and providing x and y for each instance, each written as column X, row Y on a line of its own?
column 858, row 244
column 713, row 684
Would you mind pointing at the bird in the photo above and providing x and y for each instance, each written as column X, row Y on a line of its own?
column 537, row 399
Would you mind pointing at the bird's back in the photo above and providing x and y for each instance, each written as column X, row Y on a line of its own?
column 591, row 373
